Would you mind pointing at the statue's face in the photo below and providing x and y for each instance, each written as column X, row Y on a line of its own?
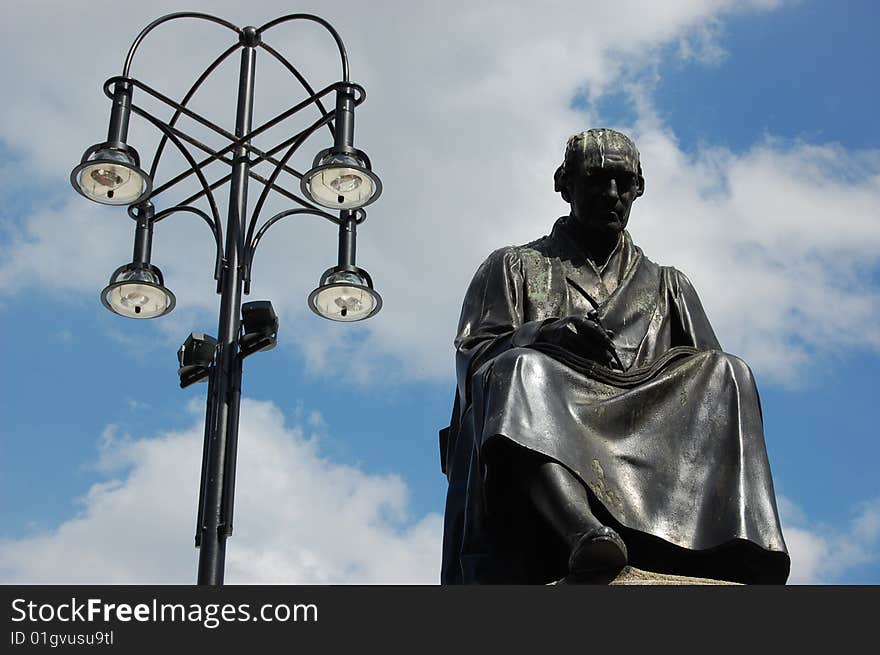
column 602, row 196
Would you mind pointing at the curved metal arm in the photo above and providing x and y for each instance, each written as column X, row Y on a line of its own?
column 210, row 69
column 251, row 247
column 216, row 230
column 236, row 141
column 171, row 103
column 290, row 67
column 164, row 19
column 274, row 176
column 177, row 114
column 189, row 158
column 317, row 19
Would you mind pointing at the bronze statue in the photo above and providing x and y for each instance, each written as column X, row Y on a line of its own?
column 597, row 423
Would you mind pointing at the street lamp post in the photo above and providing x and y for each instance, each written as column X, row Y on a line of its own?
column 340, row 181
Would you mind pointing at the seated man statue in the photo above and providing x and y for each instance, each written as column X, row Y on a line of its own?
column 597, row 423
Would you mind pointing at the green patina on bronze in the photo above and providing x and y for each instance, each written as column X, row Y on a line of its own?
column 602, row 490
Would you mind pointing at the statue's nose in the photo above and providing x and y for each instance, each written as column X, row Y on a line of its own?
column 611, row 189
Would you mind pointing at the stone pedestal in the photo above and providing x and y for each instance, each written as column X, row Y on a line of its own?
column 633, row 576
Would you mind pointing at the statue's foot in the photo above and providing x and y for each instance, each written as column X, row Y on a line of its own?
column 596, row 555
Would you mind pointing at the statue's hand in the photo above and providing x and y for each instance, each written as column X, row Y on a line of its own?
column 581, row 336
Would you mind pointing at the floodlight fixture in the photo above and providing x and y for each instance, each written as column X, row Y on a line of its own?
column 196, row 356
column 259, row 327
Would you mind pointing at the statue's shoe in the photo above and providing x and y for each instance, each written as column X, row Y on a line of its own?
column 596, row 554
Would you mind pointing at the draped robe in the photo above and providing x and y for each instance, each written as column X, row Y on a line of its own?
column 671, row 449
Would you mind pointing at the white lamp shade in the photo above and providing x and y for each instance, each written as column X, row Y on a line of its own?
column 341, row 182
column 111, row 177
column 137, row 292
column 345, row 296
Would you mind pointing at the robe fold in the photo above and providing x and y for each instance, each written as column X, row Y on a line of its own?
column 671, row 448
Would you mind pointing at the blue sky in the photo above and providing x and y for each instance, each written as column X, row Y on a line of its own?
column 756, row 123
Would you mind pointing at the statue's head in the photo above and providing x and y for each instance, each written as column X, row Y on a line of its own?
column 600, row 177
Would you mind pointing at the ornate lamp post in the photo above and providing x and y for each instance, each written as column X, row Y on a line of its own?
column 337, row 188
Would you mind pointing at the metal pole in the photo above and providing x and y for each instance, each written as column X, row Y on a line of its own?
column 347, row 233
column 206, row 449
column 143, row 234
column 344, row 137
column 120, row 114
column 221, row 447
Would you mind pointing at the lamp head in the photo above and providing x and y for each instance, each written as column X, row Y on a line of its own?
column 341, row 179
column 137, row 291
column 345, row 294
column 109, row 173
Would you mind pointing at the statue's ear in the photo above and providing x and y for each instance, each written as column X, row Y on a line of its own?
column 640, row 182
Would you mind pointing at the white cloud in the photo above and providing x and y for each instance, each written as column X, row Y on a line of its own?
column 136, row 405
column 702, row 44
column 299, row 518
column 821, row 553
column 465, row 123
